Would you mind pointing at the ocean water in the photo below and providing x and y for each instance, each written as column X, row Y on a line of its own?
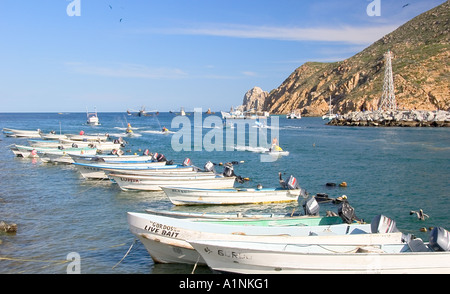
column 389, row 171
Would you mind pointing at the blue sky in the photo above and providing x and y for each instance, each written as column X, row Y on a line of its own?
column 163, row 55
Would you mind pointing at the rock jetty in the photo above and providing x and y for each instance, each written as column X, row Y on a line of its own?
column 410, row 118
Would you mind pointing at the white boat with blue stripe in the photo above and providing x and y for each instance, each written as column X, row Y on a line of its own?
column 199, row 196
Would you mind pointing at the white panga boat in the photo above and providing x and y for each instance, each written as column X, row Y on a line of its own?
column 154, row 183
column 53, row 136
column 198, row 196
column 254, row 257
column 216, row 216
column 86, row 137
column 22, row 133
column 97, row 171
column 165, row 238
column 29, row 151
column 44, row 143
column 100, row 158
column 103, row 145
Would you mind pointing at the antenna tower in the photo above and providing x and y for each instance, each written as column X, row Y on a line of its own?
column 387, row 101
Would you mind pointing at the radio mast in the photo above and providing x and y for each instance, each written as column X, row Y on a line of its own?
column 387, row 101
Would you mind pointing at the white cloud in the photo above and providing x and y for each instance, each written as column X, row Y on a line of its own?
column 346, row 34
column 126, row 70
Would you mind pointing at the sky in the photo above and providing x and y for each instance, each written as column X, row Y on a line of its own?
column 114, row 55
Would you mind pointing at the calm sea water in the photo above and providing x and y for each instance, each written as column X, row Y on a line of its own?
column 388, row 170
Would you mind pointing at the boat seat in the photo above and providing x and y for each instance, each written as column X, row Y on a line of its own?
column 417, row 245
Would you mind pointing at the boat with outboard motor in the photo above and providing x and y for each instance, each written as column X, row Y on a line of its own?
column 289, row 191
column 22, row 133
column 117, row 157
column 97, row 170
column 154, row 183
column 413, row 256
column 166, row 238
column 29, row 151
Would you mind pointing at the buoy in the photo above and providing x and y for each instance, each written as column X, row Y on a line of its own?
column 343, row 184
column 246, row 179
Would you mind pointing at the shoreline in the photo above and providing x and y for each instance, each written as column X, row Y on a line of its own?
column 398, row 118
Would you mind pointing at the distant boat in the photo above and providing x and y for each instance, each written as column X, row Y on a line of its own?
column 182, row 113
column 250, row 114
column 92, row 118
column 330, row 114
column 294, row 115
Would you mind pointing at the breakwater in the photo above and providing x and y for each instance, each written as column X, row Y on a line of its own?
column 399, row 118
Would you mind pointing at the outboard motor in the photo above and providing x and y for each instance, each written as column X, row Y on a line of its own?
column 439, row 239
column 187, row 162
column 311, row 207
column 383, row 224
column 159, row 157
column 146, row 152
column 209, row 167
column 228, row 171
column 292, row 183
column 347, row 213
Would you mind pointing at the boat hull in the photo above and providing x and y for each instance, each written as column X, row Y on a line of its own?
column 93, row 171
column 165, row 238
column 264, row 258
column 192, row 196
column 151, row 183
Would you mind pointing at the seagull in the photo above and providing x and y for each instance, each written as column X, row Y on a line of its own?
column 405, row 5
column 420, row 214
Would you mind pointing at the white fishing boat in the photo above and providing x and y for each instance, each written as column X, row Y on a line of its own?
column 22, row 133
column 255, row 257
column 103, row 145
column 166, row 238
column 92, row 118
column 330, row 115
column 51, row 157
column 217, row 216
column 153, row 183
column 97, row 171
column 53, row 136
column 29, row 151
column 85, row 137
column 294, row 115
column 99, row 158
column 198, row 196
column 16, row 151
column 44, row 143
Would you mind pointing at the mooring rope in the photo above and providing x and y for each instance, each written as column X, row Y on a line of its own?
column 126, row 254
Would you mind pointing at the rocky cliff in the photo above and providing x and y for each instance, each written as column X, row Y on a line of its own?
column 421, row 65
column 255, row 98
